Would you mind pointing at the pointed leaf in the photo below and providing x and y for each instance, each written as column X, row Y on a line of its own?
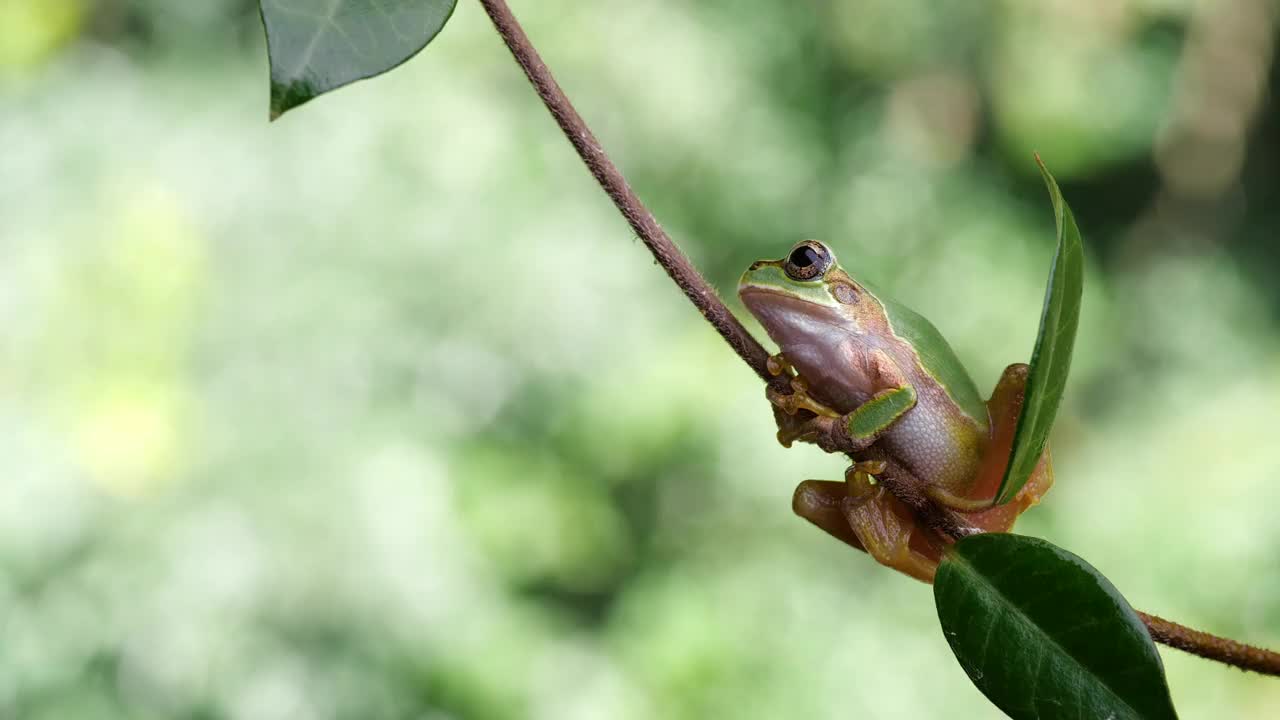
column 1051, row 358
column 318, row 45
column 1044, row 635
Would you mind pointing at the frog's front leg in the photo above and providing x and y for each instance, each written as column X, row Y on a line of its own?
column 798, row 398
column 793, row 407
column 851, row 432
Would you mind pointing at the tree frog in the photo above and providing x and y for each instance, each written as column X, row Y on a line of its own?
column 875, row 380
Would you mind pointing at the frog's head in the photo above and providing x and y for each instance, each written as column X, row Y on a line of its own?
column 819, row 316
column 805, row 298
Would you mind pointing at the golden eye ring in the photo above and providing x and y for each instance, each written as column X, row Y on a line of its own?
column 809, row 259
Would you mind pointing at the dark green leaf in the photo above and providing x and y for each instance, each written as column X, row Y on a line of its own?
column 318, row 45
column 1044, row 635
column 1051, row 358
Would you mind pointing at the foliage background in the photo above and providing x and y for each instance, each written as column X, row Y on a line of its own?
column 379, row 411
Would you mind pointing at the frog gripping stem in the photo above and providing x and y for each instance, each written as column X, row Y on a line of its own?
column 703, row 296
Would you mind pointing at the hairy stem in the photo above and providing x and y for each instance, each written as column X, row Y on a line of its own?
column 664, row 250
column 1212, row 647
column 704, row 297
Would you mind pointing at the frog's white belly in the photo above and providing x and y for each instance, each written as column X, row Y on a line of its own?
column 930, row 443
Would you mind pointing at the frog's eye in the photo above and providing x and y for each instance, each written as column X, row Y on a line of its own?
column 808, row 260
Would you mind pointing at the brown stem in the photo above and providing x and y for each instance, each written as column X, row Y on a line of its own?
column 1212, row 647
column 701, row 294
column 664, row 250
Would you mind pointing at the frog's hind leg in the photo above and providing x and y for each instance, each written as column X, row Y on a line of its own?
column 869, row 518
column 1004, row 407
column 976, row 502
column 889, row 530
column 821, row 502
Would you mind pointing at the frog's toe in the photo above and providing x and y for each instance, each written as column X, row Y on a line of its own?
column 781, row 400
column 807, row 401
column 793, row 429
column 777, row 365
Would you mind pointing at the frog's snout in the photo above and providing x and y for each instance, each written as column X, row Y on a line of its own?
column 755, row 266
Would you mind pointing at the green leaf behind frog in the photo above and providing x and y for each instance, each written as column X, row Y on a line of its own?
column 1051, row 358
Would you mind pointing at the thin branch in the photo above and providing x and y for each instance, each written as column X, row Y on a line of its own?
column 664, row 250
column 704, row 297
column 1212, row 647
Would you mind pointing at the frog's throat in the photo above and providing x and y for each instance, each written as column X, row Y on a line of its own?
column 818, row 340
column 792, row 320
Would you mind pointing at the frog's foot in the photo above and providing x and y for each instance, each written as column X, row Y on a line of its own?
column 814, row 430
column 799, row 415
column 798, row 399
column 830, row 434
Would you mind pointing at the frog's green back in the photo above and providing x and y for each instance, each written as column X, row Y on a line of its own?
column 936, row 355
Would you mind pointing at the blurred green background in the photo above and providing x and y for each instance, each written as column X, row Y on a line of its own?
column 380, row 411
